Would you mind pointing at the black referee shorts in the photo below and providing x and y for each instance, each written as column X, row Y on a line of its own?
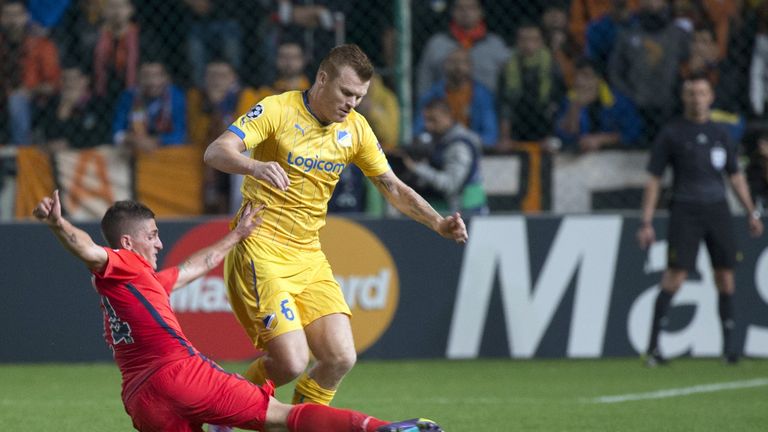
column 691, row 223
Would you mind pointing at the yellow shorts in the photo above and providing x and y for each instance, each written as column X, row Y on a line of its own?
column 274, row 289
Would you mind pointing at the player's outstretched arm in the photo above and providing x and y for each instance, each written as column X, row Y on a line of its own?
column 417, row 208
column 202, row 261
column 225, row 154
column 75, row 240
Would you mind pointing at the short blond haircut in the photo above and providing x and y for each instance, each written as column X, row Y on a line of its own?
column 347, row 55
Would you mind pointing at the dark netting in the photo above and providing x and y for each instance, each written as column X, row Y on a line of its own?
column 576, row 79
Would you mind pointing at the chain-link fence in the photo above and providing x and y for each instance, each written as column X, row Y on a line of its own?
column 585, row 81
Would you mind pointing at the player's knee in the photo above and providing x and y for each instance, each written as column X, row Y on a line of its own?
column 343, row 362
column 287, row 367
column 672, row 279
column 724, row 281
column 293, row 367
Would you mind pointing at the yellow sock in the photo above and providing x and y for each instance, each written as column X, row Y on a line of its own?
column 256, row 372
column 308, row 390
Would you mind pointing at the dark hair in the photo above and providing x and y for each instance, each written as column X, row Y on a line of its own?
column 586, row 63
column 218, row 58
column 121, row 218
column 347, row 55
column 292, row 41
column 698, row 76
column 528, row 23
column 438, row 103
column 698, row 28
column 16, row 2
column 152, row 61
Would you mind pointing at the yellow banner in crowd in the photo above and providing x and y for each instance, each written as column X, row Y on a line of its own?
column 170, row 180
column 34, row 180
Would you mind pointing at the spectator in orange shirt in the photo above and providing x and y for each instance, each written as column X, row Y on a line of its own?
column 467, row 29
column 723, row 14
column 718, row 14
column 116, row 55
column 472, row 104
column 29, row 71
column 703, row 56
column 289, row 64
column 210, row 110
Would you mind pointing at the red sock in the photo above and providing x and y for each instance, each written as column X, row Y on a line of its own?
column 321, row 418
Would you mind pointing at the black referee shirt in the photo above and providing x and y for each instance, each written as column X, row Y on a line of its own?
column 699, row 154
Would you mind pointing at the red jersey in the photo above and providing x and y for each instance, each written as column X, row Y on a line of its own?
column 139, row 324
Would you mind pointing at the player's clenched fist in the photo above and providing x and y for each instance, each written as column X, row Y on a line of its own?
column 272, row 173
column 453, row 227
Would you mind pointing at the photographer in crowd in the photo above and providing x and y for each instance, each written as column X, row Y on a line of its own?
column 444, row 164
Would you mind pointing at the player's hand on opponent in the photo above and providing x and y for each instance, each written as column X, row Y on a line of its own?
column 248, row 220
column 646, row 235
column 272, row 173
column 452, row 227
column 48, row 210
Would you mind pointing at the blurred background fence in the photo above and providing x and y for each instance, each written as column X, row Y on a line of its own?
column 108, row 99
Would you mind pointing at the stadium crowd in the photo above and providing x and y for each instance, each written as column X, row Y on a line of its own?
column 576, row 76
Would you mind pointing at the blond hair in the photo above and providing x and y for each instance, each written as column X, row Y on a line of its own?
column 347, row 55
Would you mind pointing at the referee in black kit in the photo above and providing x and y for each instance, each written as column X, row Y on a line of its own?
column 699, row 152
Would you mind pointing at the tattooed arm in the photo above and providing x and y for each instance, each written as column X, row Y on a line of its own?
column 75, row 240
column 202, row 261
column 417, row 208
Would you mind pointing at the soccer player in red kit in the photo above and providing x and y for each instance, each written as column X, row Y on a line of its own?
column 167, row 384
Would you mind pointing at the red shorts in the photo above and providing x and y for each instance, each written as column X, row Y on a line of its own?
column 187, row 393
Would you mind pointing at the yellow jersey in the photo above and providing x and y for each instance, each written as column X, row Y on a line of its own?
column 282, row 128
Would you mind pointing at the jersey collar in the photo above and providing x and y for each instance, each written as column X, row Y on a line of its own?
column 141, row 258
column 305, row 98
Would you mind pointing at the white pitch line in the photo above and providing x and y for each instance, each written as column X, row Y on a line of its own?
column 683, row 391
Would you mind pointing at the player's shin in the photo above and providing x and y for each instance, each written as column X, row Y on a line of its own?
column 308, row 390
column 320, row 418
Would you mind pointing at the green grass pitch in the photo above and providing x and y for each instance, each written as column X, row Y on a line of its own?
column 484, row 395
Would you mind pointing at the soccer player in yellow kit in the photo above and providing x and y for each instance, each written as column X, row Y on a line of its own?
column 280, row 284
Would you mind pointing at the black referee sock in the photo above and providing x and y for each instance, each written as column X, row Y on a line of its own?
column 725, row 307
column 659, row 318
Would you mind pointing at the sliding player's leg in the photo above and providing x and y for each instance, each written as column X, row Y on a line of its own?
column 321, row 418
